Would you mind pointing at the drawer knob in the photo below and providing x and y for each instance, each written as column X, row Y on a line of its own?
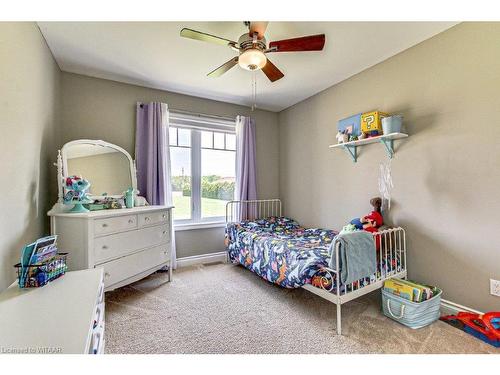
column 106, row 274
column 104, row 225
column 104, row 247
column 164, row 232
column 130, row 221
column 164, row 216
column 146, row 218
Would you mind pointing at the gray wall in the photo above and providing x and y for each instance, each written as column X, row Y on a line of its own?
column 446, row 174
column 29, row 92
column 100, row 109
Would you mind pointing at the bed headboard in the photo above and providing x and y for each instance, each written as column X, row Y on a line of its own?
column 252, row 209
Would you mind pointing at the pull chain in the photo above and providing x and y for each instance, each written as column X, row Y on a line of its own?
column 254, row 90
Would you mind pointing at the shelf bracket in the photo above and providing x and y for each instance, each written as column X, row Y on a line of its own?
column 353, row 152
column 389, row 146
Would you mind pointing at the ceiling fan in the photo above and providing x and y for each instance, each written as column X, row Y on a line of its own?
column 252, row 48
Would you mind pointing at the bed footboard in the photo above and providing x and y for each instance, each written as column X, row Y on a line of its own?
column 391, row 262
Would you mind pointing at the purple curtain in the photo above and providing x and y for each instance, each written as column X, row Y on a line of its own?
column 246, row 176
column 150, row 152
column 152, row 157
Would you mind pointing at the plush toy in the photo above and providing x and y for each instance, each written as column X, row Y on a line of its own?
column 373, row 220
column 342, row 137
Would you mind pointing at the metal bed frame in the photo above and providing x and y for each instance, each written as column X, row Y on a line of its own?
column 392, row 247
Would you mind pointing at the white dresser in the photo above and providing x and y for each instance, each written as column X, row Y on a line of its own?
column 65, row 316
column 128, row 244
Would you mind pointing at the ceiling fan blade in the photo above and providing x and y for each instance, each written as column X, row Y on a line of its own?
column 223, row 68
column 272, row 72
column 204, row 37
column 258, row 27
column 305, row 43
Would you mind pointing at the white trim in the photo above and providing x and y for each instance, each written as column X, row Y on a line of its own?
column 201, row 259
column 452, row 308
column 198, row 225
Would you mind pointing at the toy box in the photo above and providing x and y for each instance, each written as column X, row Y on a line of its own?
column 371, row 122
column 352, row 124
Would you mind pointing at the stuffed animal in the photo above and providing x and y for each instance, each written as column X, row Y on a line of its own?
column 342, row 137
column 76, row 189
column 373, row 220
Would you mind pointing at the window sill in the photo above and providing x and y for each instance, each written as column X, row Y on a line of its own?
column 193, row 226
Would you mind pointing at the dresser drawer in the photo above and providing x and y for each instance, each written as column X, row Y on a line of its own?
column 152, row 218
column 129, row 266
column 114, row 224
column 120, row 244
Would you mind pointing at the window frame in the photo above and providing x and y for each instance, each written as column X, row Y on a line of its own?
column 224, row 126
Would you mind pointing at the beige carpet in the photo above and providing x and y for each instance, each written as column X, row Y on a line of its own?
column 222, row 308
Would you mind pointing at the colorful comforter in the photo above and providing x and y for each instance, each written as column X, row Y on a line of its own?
column 279, row 250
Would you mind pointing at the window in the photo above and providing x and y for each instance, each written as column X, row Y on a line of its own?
column 203, row 170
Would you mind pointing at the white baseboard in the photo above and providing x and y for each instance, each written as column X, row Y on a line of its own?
column 201, row 259
column 452, row 308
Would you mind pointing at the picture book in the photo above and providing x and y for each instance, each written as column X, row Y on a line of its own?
column 406, row 288
column 396, row 287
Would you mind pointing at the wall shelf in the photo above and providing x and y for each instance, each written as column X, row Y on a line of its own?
column 387, row 140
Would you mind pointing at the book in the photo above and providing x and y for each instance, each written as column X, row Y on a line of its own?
column 396, row 287
column 418, row 292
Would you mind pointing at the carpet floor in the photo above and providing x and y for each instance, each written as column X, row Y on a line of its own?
column 222, row 308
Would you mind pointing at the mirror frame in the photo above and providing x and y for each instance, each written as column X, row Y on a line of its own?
column 62, row 164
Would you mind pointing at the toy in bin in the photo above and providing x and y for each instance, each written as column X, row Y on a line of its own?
column 40, row 263
column 485, row 327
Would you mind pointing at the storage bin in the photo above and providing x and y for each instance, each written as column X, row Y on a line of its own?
column 392, row 124
column 37, row 275
column 411, row 314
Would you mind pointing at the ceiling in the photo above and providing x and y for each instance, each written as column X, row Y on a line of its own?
column 152, row 54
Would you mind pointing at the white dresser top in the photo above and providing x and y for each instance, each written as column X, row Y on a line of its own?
column 110, row 212
column 57, row 315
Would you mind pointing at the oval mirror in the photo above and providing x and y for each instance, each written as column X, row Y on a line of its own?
column 109, row 168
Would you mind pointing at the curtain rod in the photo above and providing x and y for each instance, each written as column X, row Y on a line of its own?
column 227, row 118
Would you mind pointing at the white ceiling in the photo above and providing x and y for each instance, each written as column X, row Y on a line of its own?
column 152, row 54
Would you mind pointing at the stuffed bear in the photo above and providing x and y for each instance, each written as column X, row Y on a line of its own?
column 373, row 220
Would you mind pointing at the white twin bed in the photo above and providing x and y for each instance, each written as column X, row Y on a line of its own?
column 281, row 251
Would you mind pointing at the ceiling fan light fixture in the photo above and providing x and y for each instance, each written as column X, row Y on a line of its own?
column 252, row 59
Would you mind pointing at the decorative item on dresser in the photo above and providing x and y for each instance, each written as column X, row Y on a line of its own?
column 128, row 243
column 65, row 316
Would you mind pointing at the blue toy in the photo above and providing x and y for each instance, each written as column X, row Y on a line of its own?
column 76, row 193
